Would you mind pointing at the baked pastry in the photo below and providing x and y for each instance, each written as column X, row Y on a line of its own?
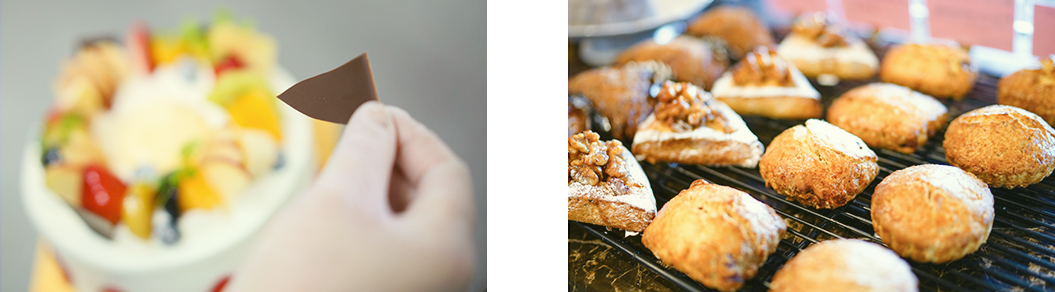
column 620, row 94
column 606, row 186
column 690, row 127
column 932, row 213
column 764, row 84
column 888, row 116
column 933, row 69
column 817, row 46
column 818, row 164
column 1005, row 146
column 737, row 26
column 578, row 115
column 690, row 59
column 1031, row 90
column 717, row 235
column 845, row 265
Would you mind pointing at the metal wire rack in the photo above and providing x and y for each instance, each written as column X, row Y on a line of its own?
column 1019, row 255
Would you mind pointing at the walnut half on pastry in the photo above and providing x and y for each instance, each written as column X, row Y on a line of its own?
column 689, row 126
column 764, row 84
column 606, row 186
column 818, row 46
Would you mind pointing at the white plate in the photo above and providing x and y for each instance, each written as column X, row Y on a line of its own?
column 195, row 263
column 667, row 11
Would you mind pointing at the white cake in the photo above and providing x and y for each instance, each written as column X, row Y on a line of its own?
column 212, row 241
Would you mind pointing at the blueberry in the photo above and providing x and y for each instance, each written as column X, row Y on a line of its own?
column 51, row 156
column 168, row 233
column 280, row 161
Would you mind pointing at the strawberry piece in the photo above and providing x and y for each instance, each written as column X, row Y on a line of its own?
column 102, row 193
column 229, row 63
column 139, row 47
column 223, row 283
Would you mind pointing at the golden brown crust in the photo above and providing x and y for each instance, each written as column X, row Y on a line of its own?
column 690, row 59
column 1005, row 146
column 780, row 107
column 601, row 204
column 845, row 265
column 932, row 213
column 717, row 235
column 736, row 25
column 620, row 94
column 818, row 165
column 888, row 116
column 934, row 69
column 1031, row 90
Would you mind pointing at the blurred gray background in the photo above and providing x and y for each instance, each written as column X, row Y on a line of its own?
column 428, row 57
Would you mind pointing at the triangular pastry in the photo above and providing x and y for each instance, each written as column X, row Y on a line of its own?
column 606, row 186
column 764, row 84
column 689, row 126
column 817, row 46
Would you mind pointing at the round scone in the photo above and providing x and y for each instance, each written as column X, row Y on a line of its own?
column 845, row 265
column 737, row 26
column 1031, row 90
column 690, row 59
column 888, row 116
column 932, row 213
column 717, row 235
column 818, row 164
column 933, row 69
column 1005, row 146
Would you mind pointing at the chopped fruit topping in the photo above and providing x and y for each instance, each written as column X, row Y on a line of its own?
column 138, row 209
column 255, row 111
column 228, row 179
column 260, row 151
column 231, row 62
column 684, row 107
column 257, row 51
column 51, row 156
column 820, row 27
column 139, row 48
column 762, row 68
column 592, row 161
column 66, row 181
column 102, row 193
column 220, row 285
column 195, row 192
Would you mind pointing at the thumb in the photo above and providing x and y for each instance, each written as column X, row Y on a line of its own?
column 360, row 167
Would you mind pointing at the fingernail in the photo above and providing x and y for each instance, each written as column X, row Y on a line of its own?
column 389, row 123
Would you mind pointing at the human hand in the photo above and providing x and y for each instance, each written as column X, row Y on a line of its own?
column 391, row 211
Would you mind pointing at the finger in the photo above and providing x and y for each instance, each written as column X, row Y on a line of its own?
column 444, row 202
column 361, row 164
column 400, row 191
column 419, row 150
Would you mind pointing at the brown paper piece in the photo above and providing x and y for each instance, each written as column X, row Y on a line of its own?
column 333, row 96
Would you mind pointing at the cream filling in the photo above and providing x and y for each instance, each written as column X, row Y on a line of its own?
column 798, row 48
column 725, row 87
column 647, row 132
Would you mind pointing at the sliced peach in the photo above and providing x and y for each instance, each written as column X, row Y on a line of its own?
column 138, row 209
column 195, row 192
column 254, row 110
